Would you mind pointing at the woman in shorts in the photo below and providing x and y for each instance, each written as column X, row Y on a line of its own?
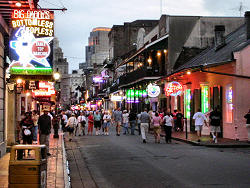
column 106, row 123
column 156, row 120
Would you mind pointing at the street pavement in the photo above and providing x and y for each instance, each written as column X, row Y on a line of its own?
column 125, row 162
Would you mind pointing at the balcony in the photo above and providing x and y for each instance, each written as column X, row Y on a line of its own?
column 141, row 74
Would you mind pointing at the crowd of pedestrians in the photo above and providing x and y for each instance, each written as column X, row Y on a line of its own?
column 35, row 127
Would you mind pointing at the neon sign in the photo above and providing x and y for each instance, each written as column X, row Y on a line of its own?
column 204, row 98
column 116, row 98
column 153, row 90
column 173, row 89
column 230, row 95
column 38, row 22
column 133, row 95
column 31, row 54
column 98, row 79
column 46, row 89
column 187, row 103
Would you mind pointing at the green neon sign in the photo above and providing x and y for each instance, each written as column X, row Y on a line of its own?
column 187, row 103
column 31, row 71
column 131, row 93
column 204, row 99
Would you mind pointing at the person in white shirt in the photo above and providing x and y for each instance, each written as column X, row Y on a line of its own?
column 106, row 122
column 81, row 124
column 125, row 122
column 200, row 119
column 71, row 125
column 64, row 121
column 168, row 124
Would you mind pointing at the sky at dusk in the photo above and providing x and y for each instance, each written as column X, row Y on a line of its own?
column 73, row 26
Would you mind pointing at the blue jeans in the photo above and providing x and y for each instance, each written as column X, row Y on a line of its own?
column 132, row 124
column 125, row 128
column 35, row 128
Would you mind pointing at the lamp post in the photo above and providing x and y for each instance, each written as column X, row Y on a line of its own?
column 56, row 76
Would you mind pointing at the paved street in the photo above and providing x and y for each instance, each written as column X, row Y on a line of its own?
column 122, row 162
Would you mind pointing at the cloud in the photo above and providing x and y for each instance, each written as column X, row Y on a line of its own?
column 73, row 26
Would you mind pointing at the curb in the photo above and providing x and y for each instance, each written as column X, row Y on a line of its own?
column 212, row 145
column 65, row 171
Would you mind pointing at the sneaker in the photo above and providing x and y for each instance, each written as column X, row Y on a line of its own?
column 144, row 141
column 107, row 134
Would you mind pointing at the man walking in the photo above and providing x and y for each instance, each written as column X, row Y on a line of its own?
column 215, row 121
column 199, row 118
column 117, row 117
column 44, row 126
column 145, row 120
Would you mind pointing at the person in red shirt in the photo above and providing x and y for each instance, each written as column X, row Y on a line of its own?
column 90, row 123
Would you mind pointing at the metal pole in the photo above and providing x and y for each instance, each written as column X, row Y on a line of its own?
column 185, row 119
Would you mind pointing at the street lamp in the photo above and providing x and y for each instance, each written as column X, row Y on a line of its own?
column 56, row 76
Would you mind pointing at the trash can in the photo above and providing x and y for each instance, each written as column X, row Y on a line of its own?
column 28, row 166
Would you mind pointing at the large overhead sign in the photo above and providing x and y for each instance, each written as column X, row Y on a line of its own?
column 31, row 42
column 38, row 22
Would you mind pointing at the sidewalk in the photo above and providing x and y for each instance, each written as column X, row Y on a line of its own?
column 56, row 177
column 208, row 141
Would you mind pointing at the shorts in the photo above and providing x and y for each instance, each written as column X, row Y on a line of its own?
column 97, row 124
column 117, row 123
column 198, row 127
column 106, row 124
column 215, row 129
column 157, row 129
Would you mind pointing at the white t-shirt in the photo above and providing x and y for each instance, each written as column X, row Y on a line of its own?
column 168, row 120
column 199, row 118
column 125, row 118
column 65, row 118
column 72, row 122
column 106, row 117
column 81, row 118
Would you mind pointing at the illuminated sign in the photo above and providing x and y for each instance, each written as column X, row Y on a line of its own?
column 30, row 54
column 153, row 90
column 46, row 89
column 204, row 98
column 38, row 22
column 133, row 95
column 187, row 103
column 173, row 89
column 116, row 98
column 98, row 79
column 230, row 95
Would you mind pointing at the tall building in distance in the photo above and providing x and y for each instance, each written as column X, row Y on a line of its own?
column 61, row 65
column 98, row 48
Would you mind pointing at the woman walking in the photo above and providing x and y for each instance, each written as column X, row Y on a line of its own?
column 90, row 123
column 125, row 122
column 71, row 125
column 168, row 124
column 157, row 127
column 35, row 118
column 27, row 126
column 106, row 123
